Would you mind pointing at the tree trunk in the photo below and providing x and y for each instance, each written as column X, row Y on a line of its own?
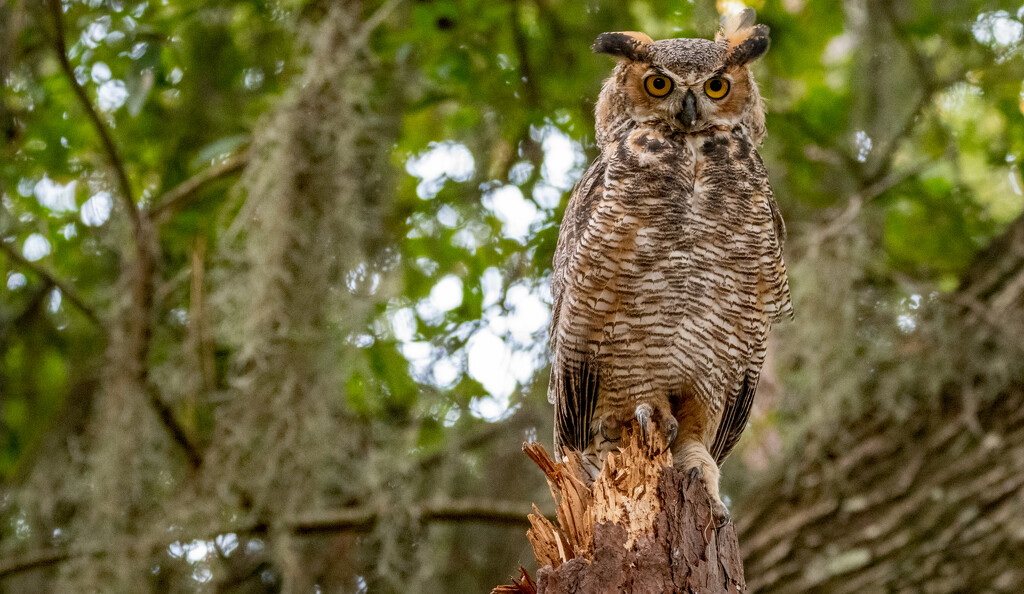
column 931, row 499
column 642, row 526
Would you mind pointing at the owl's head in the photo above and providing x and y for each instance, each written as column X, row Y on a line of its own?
column 686, row 85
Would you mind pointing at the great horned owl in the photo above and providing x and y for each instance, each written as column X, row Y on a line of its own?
column 668, row 272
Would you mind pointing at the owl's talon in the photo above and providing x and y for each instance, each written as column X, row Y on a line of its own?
column 721, row 515
column 644, row 412
column 673, row 432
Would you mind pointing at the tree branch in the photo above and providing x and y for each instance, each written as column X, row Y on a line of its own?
column 37, row 560
column 372, row 22
column 177, row 432
column 362, row 519
column 57, row 12
column 508, row 513
column 179, row 196
column 147, row 248
column 529, row 84
column 926, row 82
column 66, row 289
column 355, row 519
column 855, row 203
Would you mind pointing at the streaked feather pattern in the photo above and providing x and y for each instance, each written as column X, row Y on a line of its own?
column 668, row 272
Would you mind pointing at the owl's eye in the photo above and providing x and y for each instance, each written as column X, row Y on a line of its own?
column 716, row 88
column 657, row 85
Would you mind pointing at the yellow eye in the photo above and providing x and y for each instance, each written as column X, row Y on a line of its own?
column 658, row 86
column 716, row 88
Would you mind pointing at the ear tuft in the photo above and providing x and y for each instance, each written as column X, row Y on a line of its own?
column 745, row 41
column 735, row 22
column 749, row 48
column 631, row 45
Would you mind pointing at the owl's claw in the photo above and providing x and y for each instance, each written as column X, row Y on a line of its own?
column 721, row 514
column 673, row 432
column 644, row 412
column 665, row 423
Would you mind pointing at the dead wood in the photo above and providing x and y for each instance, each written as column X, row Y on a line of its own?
column 642, row 526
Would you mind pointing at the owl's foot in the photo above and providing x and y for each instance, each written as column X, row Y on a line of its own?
column 700, row 465
column 719, row 513
column 664, row 423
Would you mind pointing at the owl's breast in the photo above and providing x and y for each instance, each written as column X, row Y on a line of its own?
column 666, row 283
column 654, row 170
column 729, row 183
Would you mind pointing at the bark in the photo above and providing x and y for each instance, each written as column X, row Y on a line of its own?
column 929, row 501
column 643, row 526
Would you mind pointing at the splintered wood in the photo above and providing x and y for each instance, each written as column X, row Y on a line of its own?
column 626, row 491
column 523, row 585
column 573, row 499
column 640, row 527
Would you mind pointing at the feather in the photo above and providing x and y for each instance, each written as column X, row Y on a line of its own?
column 734, row 22
column 745, row 41
column 573, row 387
column 735, row 417
column 631, row 45
column 575, row 407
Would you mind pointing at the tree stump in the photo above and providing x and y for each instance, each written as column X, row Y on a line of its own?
column 642, row 526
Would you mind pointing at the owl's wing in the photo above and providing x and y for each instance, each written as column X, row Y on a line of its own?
column 574, row 384
column 735, row 417
column 779, row 297
column 777, row 304
column 777, row 222
column 584, row 198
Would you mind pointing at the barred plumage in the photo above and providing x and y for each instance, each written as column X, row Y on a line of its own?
column 669, row 271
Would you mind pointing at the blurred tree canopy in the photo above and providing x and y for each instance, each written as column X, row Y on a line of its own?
column 275, row 284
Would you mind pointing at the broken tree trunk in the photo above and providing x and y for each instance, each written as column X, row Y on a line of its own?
column 643, row 526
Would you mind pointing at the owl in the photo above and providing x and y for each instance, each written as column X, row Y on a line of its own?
column 669, row 272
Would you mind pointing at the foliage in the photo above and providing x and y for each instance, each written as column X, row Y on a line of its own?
column 358, row 325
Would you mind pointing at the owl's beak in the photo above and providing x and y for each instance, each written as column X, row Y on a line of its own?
column 688, row 116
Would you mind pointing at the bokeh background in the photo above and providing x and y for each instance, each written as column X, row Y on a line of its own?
column 275, row 290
